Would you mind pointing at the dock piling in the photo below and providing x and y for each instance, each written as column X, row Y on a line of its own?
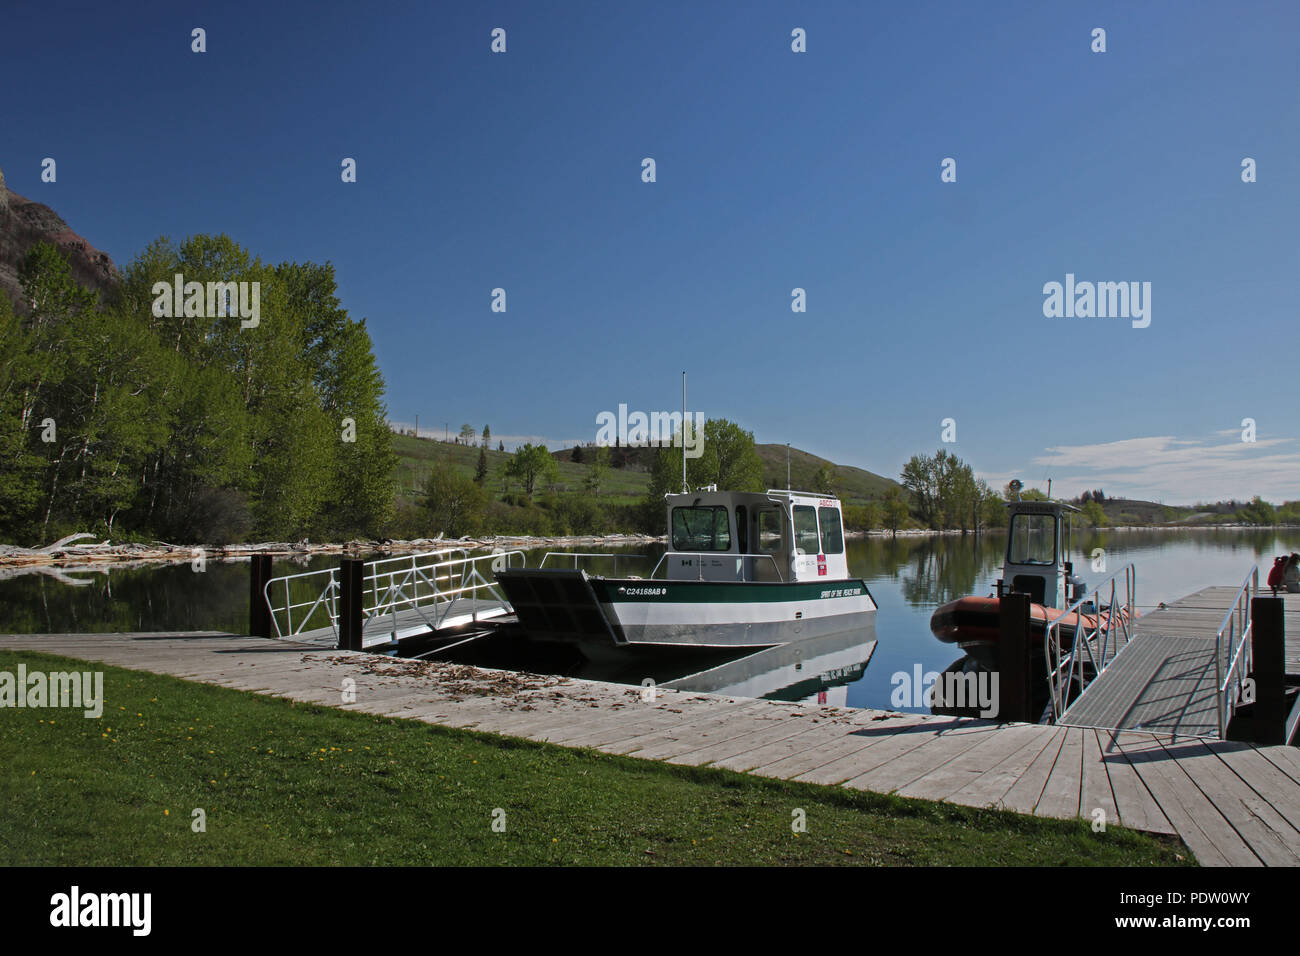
column 1013, row 658
column 351, row 580
column 259, row 615
column 1268, row 654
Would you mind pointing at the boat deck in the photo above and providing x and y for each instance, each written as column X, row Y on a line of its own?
column 1164, row 681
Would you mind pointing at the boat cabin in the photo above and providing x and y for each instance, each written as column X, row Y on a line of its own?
column 774, row 536
column 1038, row 543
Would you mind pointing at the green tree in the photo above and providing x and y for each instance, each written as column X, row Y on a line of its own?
column 455, row 505
column 895, row 510
column 531, row 464
column 1093, row 514
column 824, row 479
column 597, row 470
column 481, row 470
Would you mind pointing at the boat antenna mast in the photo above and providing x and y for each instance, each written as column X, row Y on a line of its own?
column 787, row 466
column 685, row 422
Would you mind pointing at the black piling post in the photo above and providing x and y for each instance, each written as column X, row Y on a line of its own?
column 351, row 577
column 1267, row 651
column 259, row 615
column 1013, row 658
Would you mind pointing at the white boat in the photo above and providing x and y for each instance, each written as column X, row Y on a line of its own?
column 745, row 569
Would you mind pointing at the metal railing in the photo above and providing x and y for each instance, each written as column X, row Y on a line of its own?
column 747, row 563
column 325, row 598
column 390, row 586
column 1233, row 662
column 431, row 588
column 1093, row 647
column 592, row 554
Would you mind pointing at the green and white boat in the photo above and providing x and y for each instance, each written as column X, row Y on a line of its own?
column 745, row 570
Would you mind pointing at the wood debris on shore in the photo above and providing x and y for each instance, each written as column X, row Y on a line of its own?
column 75, row 551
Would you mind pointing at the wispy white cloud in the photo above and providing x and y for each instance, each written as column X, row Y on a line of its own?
column 1178, row 470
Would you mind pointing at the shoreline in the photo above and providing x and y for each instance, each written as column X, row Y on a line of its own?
column 66, row 554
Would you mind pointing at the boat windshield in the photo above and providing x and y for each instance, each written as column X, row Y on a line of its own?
column 832, row 533
column 701, row 529
column 1033, row 540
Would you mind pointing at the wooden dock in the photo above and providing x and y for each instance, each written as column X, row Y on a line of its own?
column 1164, row 681
column 1232, row 804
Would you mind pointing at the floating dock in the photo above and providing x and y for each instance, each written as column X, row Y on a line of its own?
column 1165, row 680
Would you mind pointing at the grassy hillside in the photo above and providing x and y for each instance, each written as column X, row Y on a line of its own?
column 418, row 456
column 853, row 485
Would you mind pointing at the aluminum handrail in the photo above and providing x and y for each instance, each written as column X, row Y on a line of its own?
column 1090, row 646
column 466, row 572
column 1237, row 623
column 413, row 585
column 717, row 554
column 590, row 554
column 328, row 596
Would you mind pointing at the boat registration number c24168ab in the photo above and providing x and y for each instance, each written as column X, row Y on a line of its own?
column 842, row 592
column 644, row 592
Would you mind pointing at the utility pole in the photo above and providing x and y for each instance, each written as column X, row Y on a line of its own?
column 417, row 426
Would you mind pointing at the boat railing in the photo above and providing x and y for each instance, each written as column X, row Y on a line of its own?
column 1078, row 662
column 746, row 564
column 1233, row 663
column 575, row 555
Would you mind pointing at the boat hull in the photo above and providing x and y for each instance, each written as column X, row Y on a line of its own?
column 568, row 605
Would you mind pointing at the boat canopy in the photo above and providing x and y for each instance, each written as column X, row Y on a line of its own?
column 777, row 535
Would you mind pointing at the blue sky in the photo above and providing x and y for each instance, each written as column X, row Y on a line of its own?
column 775, row 170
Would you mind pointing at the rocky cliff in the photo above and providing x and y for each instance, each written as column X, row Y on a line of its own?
column 23, row 223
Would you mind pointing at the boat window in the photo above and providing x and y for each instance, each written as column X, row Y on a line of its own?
column 701, row 529
column 1033, row 540
column 805, row 529
column 769, row 531
column 742, row 529
column 832, row 533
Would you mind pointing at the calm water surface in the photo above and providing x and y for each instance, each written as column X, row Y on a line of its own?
column 909, row 577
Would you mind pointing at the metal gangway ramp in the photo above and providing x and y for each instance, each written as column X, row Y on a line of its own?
column 412, row 595
column 1184, row 669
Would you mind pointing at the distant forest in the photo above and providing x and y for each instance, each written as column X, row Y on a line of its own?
column 192, row 427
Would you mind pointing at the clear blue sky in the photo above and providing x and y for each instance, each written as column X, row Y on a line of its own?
column 775, row 170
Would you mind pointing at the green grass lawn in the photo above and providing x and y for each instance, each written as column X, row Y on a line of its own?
column 286, row 784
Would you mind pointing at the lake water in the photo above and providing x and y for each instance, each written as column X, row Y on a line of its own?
column 908, row 576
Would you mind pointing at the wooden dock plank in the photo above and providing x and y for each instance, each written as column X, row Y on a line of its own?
column 1025, row 793
column 953, row 775
column 880, row 773
column 1063, row 789
column 1200, row 824
column 1097, row 792
column 1134, row 803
